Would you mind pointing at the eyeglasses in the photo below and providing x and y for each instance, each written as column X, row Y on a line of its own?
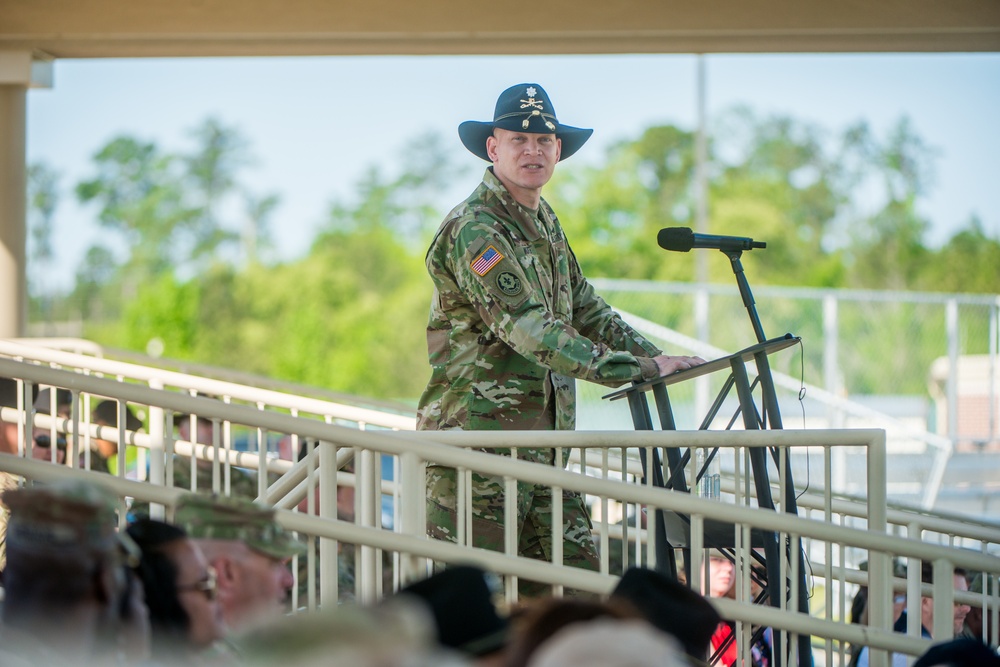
column 207, row 585
column 46, row 441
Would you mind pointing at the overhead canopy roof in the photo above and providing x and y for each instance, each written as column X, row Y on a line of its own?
column 147, row 28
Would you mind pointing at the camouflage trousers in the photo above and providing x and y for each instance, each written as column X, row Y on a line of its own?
column 534, row 533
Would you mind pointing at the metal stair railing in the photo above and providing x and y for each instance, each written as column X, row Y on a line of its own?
column 412, row 550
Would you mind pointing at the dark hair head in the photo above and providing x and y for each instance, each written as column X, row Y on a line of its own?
column 548, row 616
column 8, row 393
column 168, row 620
column 671, row 607
column 959, row 653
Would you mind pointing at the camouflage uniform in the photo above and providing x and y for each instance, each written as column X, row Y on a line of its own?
column 513, row 323
column 7, row 482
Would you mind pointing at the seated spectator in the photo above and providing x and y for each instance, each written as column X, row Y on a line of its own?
column 249, row 552
column 66, row 588
column 546, row 618
column 974, row 620
column 185, row 618
column 104, row 453
column 672, row 607
column 961, row 652
column 242, row 482
column 610, row 642
column 8, row 445
column 926, row 613
column 396, row 633
column 465, row 617
column 42, row 437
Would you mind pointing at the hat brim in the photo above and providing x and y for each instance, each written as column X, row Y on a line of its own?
column 474, row 133
column 281, row 547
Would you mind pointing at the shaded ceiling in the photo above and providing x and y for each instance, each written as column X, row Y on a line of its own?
column 146, row 28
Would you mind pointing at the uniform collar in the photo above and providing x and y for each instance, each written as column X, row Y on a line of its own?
column 523, row 218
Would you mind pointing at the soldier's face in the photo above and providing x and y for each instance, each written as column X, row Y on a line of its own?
column 523, row 161
column 258, row 589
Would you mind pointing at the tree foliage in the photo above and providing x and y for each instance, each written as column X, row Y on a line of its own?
column 350, row 314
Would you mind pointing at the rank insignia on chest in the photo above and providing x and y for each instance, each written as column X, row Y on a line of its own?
column 486, row 260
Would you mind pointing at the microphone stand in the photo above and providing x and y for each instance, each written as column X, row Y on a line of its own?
column 770, row 404
column 748, row 302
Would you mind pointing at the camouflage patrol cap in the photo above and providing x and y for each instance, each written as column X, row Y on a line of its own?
column 216, row 517
column 66, row 516
column 976, row 585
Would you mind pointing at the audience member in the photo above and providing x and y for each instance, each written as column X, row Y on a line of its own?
column 104, row 453
column 248, row 550
column 42, row 437
column 961, row 652
column 926, row 614
column 8, row 445
column 609, row 642
column 67, row 599
column 241, row 482
column 544, row 618
column 978, row 621
column 396, row 633
column 465, row 617
column 721, row 582
column 184, row 615
column 672, row 607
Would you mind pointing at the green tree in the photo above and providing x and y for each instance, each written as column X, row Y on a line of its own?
column 43, row 198
column 212, row 169
column 887, row 249
column 139, row 194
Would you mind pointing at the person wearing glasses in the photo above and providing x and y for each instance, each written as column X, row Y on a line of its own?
column 184, row 615
column 250, row 551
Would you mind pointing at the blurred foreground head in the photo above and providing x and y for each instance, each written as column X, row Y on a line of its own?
column 66, row 581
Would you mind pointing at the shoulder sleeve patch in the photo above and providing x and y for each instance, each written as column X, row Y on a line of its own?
column 485, row 261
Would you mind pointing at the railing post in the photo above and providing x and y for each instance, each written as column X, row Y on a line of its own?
column 412, row 511
column 328, row 555
column 879, row 564
column 157, row 472
column 369, row 491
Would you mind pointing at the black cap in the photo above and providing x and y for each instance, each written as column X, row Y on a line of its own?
column 107, row 412
column 463, row 609
column 671, row 607
column 43, row 402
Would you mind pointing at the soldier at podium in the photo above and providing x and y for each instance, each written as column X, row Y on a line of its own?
column 514, row 323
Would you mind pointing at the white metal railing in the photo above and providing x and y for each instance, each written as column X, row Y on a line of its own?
column 331, row 444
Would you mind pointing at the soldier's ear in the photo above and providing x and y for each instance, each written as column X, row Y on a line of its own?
column 227, row 572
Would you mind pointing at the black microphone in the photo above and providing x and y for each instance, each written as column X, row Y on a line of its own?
column 682, row 239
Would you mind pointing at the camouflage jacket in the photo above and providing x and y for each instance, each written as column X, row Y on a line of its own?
column 513, row 321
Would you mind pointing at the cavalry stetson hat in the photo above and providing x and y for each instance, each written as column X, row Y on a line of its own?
column 523, row 108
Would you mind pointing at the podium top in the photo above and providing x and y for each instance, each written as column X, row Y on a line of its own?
column 767, row 347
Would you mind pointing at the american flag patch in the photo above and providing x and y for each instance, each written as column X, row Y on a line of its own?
column 487, row 260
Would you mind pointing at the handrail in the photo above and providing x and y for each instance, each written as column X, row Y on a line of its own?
column 208, row 386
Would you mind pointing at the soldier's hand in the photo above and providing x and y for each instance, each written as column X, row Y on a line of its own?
column 668, row 364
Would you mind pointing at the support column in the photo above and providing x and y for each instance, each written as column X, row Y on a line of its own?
column 18, row 71
column 13, row 187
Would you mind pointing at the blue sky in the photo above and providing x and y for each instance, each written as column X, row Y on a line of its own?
column 315, row 124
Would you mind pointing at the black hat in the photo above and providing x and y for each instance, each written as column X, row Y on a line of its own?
column 43, row 402
column 523, row 108
column 957, row 653
column 107, row 412
column 464, row 614
column 670, row 606
column 8, row 393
